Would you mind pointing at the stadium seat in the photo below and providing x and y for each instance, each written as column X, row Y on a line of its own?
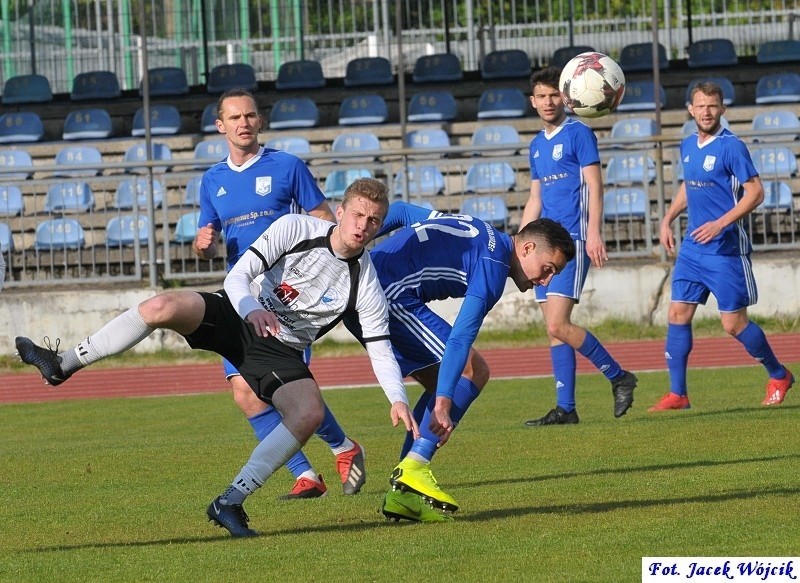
column 296, row 145
column 366, row 71
column 490, row 177
column 293, row 112
column 209, row 152
column 131, row 189
column 166, row 81
column 58, row 233
column 127, row 230
column 438, row 68
column 777, row 196
column 355, row 142
column 138, row 153
column 690, row 126
column 18, row 160
column 714, row 52
column 506, row 64
column 69, row 197
column 186, row 227
column 496, row 135
column 165, row 120
column 431, row 140
column 640, row 96
column 621, row 204
column 564, row 55
column 233, row 76
column 11, row 201
column 774, row 162
column 363, row 110
column 432, row 106
column 728, row 91
column 779, row 51
column 778, row 88
column 302, row 74
column 6, row 240
column 338, row 180
column 633, row 128
column 501, row 103
column 208, row 121
column 639, row 57
column 767, row 122
column 70, row 156
column 24, row 126
column 625, row 169
column 422, row 181
column 95, row 85
column 87, row 124
column 191, row 193
column 27, row 89
column 491, row 209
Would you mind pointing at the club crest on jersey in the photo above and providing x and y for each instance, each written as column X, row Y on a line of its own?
column 708, row 163
column 263, row 185
column 558, row 151
column 286, row 293
column 329, row 296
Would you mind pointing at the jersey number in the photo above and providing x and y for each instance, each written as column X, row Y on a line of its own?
column 467, row 230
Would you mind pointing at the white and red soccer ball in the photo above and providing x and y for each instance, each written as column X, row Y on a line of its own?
column 592, row 84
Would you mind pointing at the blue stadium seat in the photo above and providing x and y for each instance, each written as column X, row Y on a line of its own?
column 27, row 89
column 135, row 189
column 58, row 233
column 774, row 162
column 778, row 88
column 777, row 196
column 337, row 181
column 209, row 152
column 620, row 204
column 87, row 124
column 11, row 201
column 293, row 112
column 6, row 240
column 496, row 135
column 633, row 128
column 191, row 193
column 302, row 74
column 766, row 122
column 237, row 75
column 502, row 102
column 363, row 109
column 24, row 126
column 623, row 169
column 438, row 68
column 208, row 121
column 422, row 181
column 127, row 230
column 432, row 140
column 70, row 156
column 690, row 126
column 186, row 227
column 432, row 106
column 779, row 51
column 728, row 91
column 95, row 85
column 166, row 81
column 297, row 145
column 490, row 177
column 491, row 209
column 713, row 52
column 165, row 120
column 69, row 197
column 564, row 55
column 640, row 96
column 138, row 153
column 639, row 57
column 18, row 160
column 355, row 142
column 366, row 71
column 506, row 64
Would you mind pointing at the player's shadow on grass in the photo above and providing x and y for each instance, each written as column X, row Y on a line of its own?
column 692, row 413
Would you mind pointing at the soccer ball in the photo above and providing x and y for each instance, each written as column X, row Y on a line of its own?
column 592, row 85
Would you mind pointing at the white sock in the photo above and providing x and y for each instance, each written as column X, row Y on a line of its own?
column 120, row 334
column 311, row 475
column 346, row 445
column 270, row 454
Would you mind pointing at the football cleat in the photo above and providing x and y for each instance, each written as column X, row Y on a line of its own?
column 231, row 517
column 671, row 401
column 307, row 488
column 622, row 388
column 45, row 359
column 413, row 476
column 557, row 416
column 777, row 389
column 399, row 506
column 352, row 470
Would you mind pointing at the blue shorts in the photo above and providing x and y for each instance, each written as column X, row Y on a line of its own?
column 230, row 370
column 569, row 283
column 728, row 277
column 418, row 334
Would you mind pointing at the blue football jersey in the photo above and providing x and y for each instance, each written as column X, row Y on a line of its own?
column 556, row 161
column 713, row 176
column 242, row 201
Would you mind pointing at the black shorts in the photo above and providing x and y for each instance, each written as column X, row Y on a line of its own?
column 265, row 363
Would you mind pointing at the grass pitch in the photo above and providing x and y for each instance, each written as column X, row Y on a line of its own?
column 116, row 490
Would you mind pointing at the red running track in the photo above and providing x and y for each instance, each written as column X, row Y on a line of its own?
column 355, row 370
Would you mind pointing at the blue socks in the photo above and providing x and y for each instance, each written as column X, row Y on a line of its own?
column 563, row 357
column 755, row 343
column 263, row 423
column 677, row 349
column 426, row 400
column 330, row 431
column 599, row 356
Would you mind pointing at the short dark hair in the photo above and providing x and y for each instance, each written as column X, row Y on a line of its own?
column 551, row 234
column 235, row 92
column 548, row 76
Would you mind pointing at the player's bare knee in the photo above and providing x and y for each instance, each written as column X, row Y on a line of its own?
column 478, row 370
column 157, row 311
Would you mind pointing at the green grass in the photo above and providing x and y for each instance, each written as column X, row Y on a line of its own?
column 116, row 490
